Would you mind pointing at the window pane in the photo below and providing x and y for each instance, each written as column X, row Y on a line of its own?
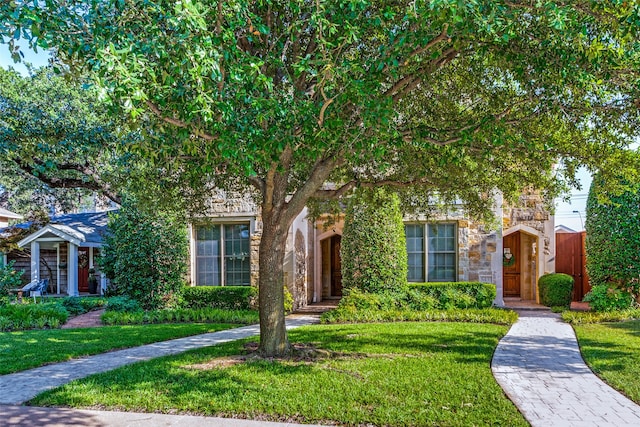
column 208, row 255
column 237, row 263
column 442, row 260
column 415, row 252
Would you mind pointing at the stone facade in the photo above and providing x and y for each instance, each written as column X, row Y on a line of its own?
column 479, row 246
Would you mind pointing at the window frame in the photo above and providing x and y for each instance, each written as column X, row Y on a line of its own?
column 221, row 222
column 426, row 251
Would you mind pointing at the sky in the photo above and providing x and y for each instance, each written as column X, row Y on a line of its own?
column 37, row 59
column 565, row 211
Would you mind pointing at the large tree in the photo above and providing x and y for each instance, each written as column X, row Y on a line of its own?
column 58, row 145
column 442, row 96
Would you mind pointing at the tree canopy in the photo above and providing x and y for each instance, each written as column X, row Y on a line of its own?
column 441, row 97
column 58, row 146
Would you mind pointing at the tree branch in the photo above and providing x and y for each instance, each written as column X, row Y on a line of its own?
column 95, row 184
column 179, row 123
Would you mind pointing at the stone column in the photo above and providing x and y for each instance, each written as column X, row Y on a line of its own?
column 496, row 259
column 72, row 271
column 35, row 260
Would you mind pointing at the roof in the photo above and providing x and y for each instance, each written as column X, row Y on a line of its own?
column 564, row 229
column 83, row 229
column 8, row 214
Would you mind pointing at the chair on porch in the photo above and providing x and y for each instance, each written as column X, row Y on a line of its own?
column 40, row 289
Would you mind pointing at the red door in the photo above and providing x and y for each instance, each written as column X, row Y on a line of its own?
column 511, row 265
column 83, row 269
column 570, row 259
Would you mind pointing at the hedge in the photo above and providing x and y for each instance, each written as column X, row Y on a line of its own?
column 555, row 289
column 222, row 297
column 457, row 294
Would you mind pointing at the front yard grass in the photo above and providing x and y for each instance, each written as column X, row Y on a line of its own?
column 394, row 374
column 29, row 349
column 612, row 350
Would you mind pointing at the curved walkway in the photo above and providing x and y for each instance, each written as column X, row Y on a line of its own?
column 539, row 366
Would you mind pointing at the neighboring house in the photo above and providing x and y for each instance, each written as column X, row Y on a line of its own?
column 5, row 216
column 63, row 251
column 224, row 249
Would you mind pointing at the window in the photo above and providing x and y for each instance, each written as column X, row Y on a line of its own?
column 438, row 263
column 222, row 255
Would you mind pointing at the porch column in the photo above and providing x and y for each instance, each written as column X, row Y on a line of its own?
column 35, row 260
column 72, row 270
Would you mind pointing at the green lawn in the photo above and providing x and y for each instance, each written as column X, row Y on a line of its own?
column 29, row 349
column 612, row 350
column 394, row 374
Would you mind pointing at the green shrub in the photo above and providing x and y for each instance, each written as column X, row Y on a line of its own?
column 9, row 278
column 355, row 299
column 605, row 298
column 222, row 297
column 202, row 315
column 419, row 297
column 122, row 304
column 17, row 317
column 416, row 300
column 458, row 294
column 582, row 317
column 373, row 248
column 80, row 305
column 555, row 289
column 474, row 315
column 144, row 256
column 288, row 301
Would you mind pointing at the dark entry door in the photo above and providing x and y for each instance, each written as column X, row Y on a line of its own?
column 511, row 265
column 83, row 269
column 570, row 259
column 336, row 267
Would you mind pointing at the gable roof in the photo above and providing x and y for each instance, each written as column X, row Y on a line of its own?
column 8, row 214
column 564, row 229
column 83, row 229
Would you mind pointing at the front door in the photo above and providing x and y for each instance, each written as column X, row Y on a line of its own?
column 511, row 265
column 336, row 267
column 83, row 269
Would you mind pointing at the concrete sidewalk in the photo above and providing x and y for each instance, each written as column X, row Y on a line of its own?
column 21, row 386
column 54, row 417
column 539, row 366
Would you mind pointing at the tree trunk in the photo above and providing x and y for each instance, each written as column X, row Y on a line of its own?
column 273, row 334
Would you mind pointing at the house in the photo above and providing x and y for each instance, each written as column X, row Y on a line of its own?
column 449, row 247
column 5, row 216
column 63, row 251
column 224, row 247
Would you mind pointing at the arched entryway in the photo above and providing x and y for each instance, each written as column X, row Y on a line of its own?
column 520, row 265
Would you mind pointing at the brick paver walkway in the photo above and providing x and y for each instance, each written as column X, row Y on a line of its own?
column 539, row 366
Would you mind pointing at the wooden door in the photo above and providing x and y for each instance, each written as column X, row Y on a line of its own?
column 83, row 269
column 511, row 265
column 570, row 259
column 336, row 267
